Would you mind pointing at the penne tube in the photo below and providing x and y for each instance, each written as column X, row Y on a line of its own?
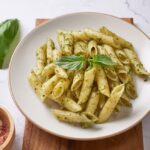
column 110, row 53
column 56, row 55
column 136, row 64
column 122, row 74
column 35, row 82
column 58, row 89
column 48, row 71
column 70, row 117
column 79, row 36
column 121, row 55
column 123, row 59
column 119, row 40
column 111, row 103
column 111, row 74
column 71, row 105
column 109, row 71
column 65, row 41
column 124, row 95
column 40, row 59
column 101, row 38
column 92, row 48
column 131, row 88
column 121, row 71
column 60, row 72
column 102, row 82
column 49, row 50
column 77, row 81
column 90, row 116
column 93, row 101
column 48, row 86
column 88, row 81
column 80, row 48
column 61, row 87
column 102, row 100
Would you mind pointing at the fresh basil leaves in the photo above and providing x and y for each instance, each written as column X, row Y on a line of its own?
column 77, row 62
column 9, row 38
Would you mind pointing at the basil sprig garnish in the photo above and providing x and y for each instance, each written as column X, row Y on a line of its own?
column 77, row 62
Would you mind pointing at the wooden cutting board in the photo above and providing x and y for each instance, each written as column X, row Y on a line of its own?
column 37, row 139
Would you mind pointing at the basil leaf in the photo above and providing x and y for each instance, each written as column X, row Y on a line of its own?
column 9, row 38
column 102, row 60
column 72, row 62
column 77, row 62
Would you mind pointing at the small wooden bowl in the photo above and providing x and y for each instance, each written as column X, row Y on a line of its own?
column 5, row 115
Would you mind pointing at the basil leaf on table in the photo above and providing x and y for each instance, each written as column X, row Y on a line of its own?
column 9, row 38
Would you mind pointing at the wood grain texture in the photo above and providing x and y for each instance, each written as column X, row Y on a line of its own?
column 37, row 139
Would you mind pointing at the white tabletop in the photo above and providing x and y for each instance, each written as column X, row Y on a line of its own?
column 27, row 11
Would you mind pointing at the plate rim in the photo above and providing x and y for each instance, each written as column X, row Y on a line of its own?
column 39, row 126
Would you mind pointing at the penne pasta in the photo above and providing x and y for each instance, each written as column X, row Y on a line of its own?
column 80, row 48
column 93, row 101
column 71, row 117
column 102, row 100
column 48, row 71
column 60, row 72
column 77, row 81
column 102, row 82
column 90, row 116
column 92, row 48
column 79, row 36
column 35, row 82
column 56, row 55
column 61, row 87
column 49, row 50
column 48, row 86
column 120, row 41
column 111, row 103
column 40, row 59
column 124, row 96
column 121, row 71
column 65, row 41
column 109, row 71
column 89, row 76
column 121, row 55
column 101, row 38
column 131, row 89
column 122, row 74
column 58, row 90
column 71, row 105
column 136, row 64
column 123, row 59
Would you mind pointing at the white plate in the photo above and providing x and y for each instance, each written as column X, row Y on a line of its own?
column 30, row 105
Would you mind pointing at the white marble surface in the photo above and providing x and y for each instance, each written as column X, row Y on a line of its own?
column 27, row 11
